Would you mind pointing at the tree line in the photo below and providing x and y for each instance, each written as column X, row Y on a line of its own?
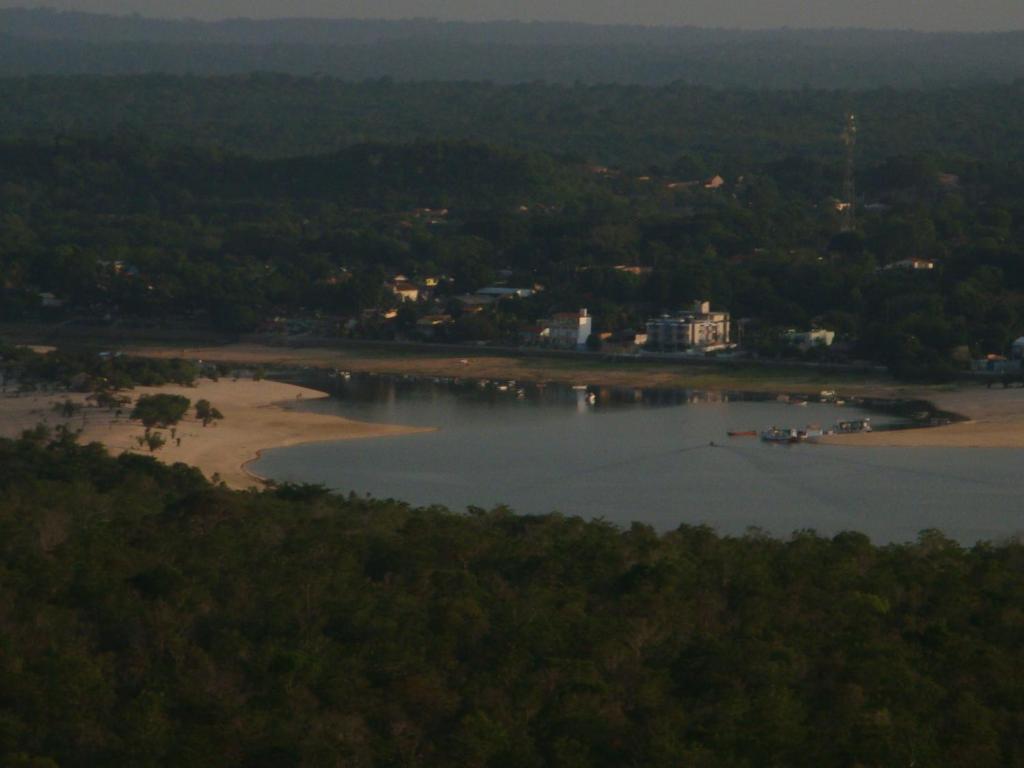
column 151, row 618
column 281, row 115
column 121, row 231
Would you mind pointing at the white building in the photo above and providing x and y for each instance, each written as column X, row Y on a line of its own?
column 1017, row 349
column 404, row 289
column 699, row 328
column 818, row 337
column 49, row 301
column 570, row 330
column 911, row 265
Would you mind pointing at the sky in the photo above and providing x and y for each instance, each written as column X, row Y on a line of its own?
column 929, row 15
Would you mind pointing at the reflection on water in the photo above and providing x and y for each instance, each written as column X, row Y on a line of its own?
column 656, row 456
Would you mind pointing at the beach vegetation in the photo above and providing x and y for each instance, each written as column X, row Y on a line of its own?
column 161, row 410
column 206, row 413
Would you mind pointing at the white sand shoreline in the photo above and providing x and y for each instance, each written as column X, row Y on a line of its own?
column 256, row 418
column 993, row 418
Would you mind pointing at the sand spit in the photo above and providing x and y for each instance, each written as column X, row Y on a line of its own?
column 996, row 420
column 258, row 415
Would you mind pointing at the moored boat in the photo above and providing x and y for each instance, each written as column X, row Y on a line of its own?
column 791, row 435
column 853, row 425
column 780, row 435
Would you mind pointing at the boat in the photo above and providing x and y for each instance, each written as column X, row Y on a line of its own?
column 742, row 433
column 791, row 435
column 780, row 435
column 854, row 425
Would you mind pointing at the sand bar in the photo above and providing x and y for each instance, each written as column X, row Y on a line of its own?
column 996, row 420
column 258, row 415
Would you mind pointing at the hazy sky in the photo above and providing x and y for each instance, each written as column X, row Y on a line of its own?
column 913, row 14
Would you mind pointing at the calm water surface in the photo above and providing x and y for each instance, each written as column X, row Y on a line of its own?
column 639, row 455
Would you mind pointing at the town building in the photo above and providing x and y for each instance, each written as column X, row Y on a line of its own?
column 570, row 330
column 50, row 301
column 995, row 364
column 535, row 334
column 503, row 292
column 431, row 326
column 911, row 264
column 1017, row 349
column 817, row 337
column 696, row 329
column 404, row 289
column 630, row 269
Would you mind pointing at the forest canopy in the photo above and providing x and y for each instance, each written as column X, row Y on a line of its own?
column 149, row 617
column 281, row 115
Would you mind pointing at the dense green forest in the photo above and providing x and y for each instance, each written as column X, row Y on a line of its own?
column 280, row 115
column 90, row 370
column 268, row 201
column 44, row 42
column 149, row 618
column 125, row 230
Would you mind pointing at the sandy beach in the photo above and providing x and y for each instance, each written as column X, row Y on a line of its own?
column 994, row 417
column 996, row 420
column 258, row 415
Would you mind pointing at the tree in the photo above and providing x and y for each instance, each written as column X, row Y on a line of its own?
column 68, row 408
column 160, row 410
column 206, row 413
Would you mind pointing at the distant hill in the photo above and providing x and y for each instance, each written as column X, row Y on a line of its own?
column 49, row 42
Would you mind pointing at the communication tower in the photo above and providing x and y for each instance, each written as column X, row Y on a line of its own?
column 848, row 205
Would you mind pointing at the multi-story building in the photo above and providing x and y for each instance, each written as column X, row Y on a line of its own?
column 570, row 330
column 698, row 328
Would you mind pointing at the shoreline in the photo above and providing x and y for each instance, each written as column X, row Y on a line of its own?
column 484, row 364
column 257, row 417
column 985, row 418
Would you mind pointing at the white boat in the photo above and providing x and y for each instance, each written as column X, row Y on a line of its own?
column 791, row 435
column 780, row 435
column 852, row 426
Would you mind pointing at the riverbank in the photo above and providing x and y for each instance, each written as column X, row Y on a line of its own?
column 483, row 364
column 995, row 419
column 258, row 415
column 992, row 418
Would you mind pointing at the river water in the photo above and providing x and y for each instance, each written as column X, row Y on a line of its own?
column 655, row 456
